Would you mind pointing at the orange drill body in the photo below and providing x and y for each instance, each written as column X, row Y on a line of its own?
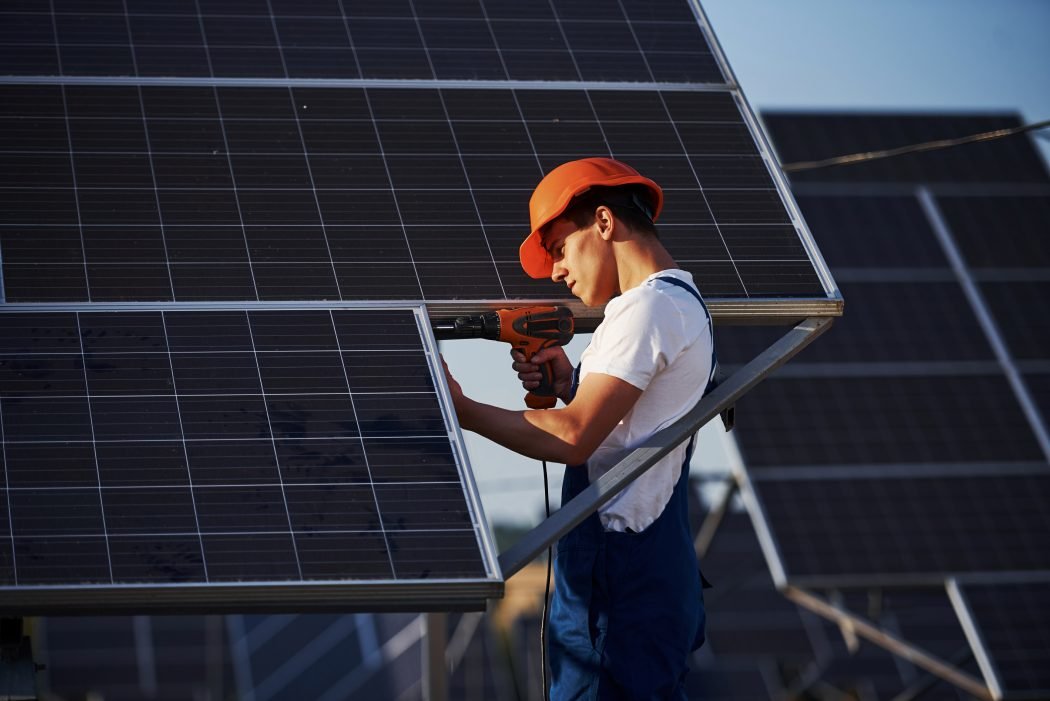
column 528, row 329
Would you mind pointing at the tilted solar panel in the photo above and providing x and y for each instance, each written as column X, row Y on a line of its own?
column 873, row 531
column 195, row 193
column 912, row 442
column 219, row 449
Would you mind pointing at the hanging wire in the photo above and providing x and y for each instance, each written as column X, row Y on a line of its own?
column 546, row 594
column 914, row 148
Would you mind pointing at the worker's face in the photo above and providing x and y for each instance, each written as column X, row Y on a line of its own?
column 583, row 260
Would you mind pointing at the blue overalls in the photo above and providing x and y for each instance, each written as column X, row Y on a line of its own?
column 627, row 607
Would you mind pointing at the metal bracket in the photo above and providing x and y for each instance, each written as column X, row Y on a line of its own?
column 660, row 444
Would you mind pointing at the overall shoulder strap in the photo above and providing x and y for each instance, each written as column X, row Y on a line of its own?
column 711, row 381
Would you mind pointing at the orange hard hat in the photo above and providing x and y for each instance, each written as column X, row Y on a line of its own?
column 557, row 189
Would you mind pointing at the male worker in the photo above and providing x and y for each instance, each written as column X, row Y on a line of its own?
column 627, row 607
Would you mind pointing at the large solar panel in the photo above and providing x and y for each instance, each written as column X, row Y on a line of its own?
column 191, row 193
column 1008, row 625
column 232, row 150
column 218, row 449
column 911, row 445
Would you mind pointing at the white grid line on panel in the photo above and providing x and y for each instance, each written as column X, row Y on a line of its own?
column 364, row 450
column 185, row 449
column 276, row 457
column 94, row 453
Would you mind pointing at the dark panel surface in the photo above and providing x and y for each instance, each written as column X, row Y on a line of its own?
column 1008, row 231
column 1019, row 311
column 897, row 322
column 657, row 41
column 159, row 447
column 1013, row 620
column 236, row 193
column 883, row 419
column 889, row 527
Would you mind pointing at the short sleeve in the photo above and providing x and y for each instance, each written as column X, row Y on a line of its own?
column 640, row 335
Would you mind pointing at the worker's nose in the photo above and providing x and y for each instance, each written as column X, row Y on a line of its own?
column 558, row 272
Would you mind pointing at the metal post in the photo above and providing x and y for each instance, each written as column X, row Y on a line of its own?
column 435, row 670
column 660, row 444
column 713, row 520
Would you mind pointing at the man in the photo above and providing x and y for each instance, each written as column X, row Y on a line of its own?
column 627, row 607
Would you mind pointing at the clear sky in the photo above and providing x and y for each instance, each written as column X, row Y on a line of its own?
column 910, row 55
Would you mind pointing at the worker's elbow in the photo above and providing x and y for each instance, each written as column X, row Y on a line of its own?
column 578, row 449
column 576, row 456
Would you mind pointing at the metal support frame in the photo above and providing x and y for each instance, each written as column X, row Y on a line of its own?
column 927, row 681
column 713, row 520
column 435, row 669
column 884, row 639
column 660, row 444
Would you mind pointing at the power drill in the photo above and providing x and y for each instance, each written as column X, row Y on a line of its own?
column 528, row 329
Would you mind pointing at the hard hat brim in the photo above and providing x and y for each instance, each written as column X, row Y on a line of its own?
column 535, row 260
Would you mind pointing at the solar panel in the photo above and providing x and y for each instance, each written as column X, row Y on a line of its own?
column 1009, row 629
column 220, row 448
column 871, row 531
column 237, row 193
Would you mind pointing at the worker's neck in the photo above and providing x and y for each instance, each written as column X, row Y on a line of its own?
column 638, row 258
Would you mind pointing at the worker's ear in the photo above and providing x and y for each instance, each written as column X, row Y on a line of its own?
column 605, row 221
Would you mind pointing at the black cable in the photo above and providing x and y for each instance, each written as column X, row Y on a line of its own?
column 546, row 593
column 914, row 148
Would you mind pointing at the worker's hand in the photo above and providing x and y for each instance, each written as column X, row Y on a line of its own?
column 530, row 375
column 453, row 386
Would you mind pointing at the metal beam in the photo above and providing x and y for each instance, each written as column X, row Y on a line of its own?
column 890, row 642
column 714, row 517
column 435, row 669
column 660, row 444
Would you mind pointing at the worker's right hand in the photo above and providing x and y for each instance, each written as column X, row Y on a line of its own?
column 529, row 372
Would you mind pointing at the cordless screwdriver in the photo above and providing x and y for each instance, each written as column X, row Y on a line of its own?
column 528, row 329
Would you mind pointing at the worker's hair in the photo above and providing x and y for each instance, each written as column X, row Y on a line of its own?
column 631, row 204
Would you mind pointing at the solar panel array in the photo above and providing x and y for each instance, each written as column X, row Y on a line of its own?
column 188, row 156
column 910, row 442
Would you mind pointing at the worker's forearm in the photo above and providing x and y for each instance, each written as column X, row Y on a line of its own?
column 541, row 434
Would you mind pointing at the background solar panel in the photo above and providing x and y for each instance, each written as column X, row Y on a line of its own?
column 875, row 451
column 907, row 530
column 1012, row 626
column 230, row 446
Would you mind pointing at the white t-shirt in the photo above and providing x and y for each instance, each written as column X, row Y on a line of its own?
column 656, row 337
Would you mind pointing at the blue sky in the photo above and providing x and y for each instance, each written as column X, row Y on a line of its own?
column 903, row 55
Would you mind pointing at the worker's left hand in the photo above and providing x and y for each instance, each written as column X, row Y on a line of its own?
column 453, row 386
